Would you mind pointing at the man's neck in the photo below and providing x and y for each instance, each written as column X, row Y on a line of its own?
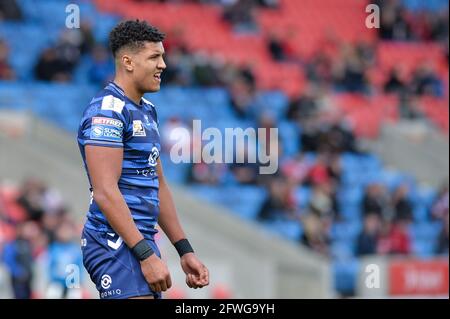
column 130, row 91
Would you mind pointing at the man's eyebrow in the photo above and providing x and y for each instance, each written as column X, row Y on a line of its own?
column 157, row 53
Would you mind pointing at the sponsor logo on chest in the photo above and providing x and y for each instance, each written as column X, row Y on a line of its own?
column 138, row 128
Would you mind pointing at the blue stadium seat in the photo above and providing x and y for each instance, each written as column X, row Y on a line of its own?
column 434, row 5
column 423, row 248
column 426, row 230
column 345, row 274
column 287, row 229
column 342, row 249
column 303, row 196
column 244, row 201
column 289, row 134
column 103, row 26
column 275, row 102
column 345, row 230
column 350, row 195
column 392, row 179
column 350, row 212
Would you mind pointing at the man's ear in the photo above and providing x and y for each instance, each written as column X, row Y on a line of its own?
column 127, row 62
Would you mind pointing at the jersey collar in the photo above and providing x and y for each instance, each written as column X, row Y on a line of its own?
column 115, row 87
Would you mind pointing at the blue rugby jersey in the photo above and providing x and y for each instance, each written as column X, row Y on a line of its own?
column 113, row 120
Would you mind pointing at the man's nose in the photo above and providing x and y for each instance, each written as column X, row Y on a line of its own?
column 162, row 64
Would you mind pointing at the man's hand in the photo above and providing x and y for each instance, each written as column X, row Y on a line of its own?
column 197, row 275
column 156, row 273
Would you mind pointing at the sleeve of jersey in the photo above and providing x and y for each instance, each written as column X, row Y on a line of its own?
column 106, row 124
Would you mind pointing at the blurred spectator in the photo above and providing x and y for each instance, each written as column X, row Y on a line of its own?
column 335, row 169
column 310, row 136
column 18, row 258
column 303, row 107
column 439, row 209
column 366, row 52
column 296, row 169
column 280, row 202
column 245, row 173
column 409, row 107
column 48, row 236
column 443, row 240
column 57, row 63
column 340, row 138
column 319, row 69
column 206, row 70
column 394, row 24
column 51, row 222
column 179, row 67
column 51, row 68
column 315, row 234
column 323, row 201
column 31, row 198
column 367, row 241
column 350, row 71
column 37, row 199
column 320, row 172
column 10, row 10
column 425, row 81
column 395, row 238
column 241, row 98
column 268, row 3
column 376, row 201
column 403, row 208
column 241, row 14
column 276, row 47
column 86, row 41
column 395, row 83
column 6, row 72
column 247, row 74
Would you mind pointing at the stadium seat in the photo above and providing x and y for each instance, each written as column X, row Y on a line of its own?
column 345, row 275
column 286, row 229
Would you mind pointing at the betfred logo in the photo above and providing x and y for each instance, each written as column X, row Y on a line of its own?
column 429, row 277
column 107, row 121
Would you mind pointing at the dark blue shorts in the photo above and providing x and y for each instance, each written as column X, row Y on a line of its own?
column 112, row 267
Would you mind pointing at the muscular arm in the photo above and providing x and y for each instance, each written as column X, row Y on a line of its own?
column 105, row 167
column 168, row 219
column 197, row 275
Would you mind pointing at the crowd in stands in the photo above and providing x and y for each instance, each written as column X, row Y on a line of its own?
column 36, row 224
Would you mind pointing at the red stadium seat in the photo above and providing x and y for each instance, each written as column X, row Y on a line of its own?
column 307, row 26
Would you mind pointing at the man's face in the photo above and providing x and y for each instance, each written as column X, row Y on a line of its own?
column 148, row 64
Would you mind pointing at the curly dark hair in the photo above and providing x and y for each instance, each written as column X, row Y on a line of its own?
column 133, row 34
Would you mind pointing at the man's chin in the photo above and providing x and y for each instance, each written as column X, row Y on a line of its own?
column 154, row 89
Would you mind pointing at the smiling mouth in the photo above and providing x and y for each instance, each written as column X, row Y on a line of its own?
column 157, row 77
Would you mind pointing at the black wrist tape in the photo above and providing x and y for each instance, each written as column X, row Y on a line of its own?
column 183, row 247
column 142, row 250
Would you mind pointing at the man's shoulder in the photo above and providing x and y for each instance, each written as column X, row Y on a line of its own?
column 109, row 100
column 105, row 101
